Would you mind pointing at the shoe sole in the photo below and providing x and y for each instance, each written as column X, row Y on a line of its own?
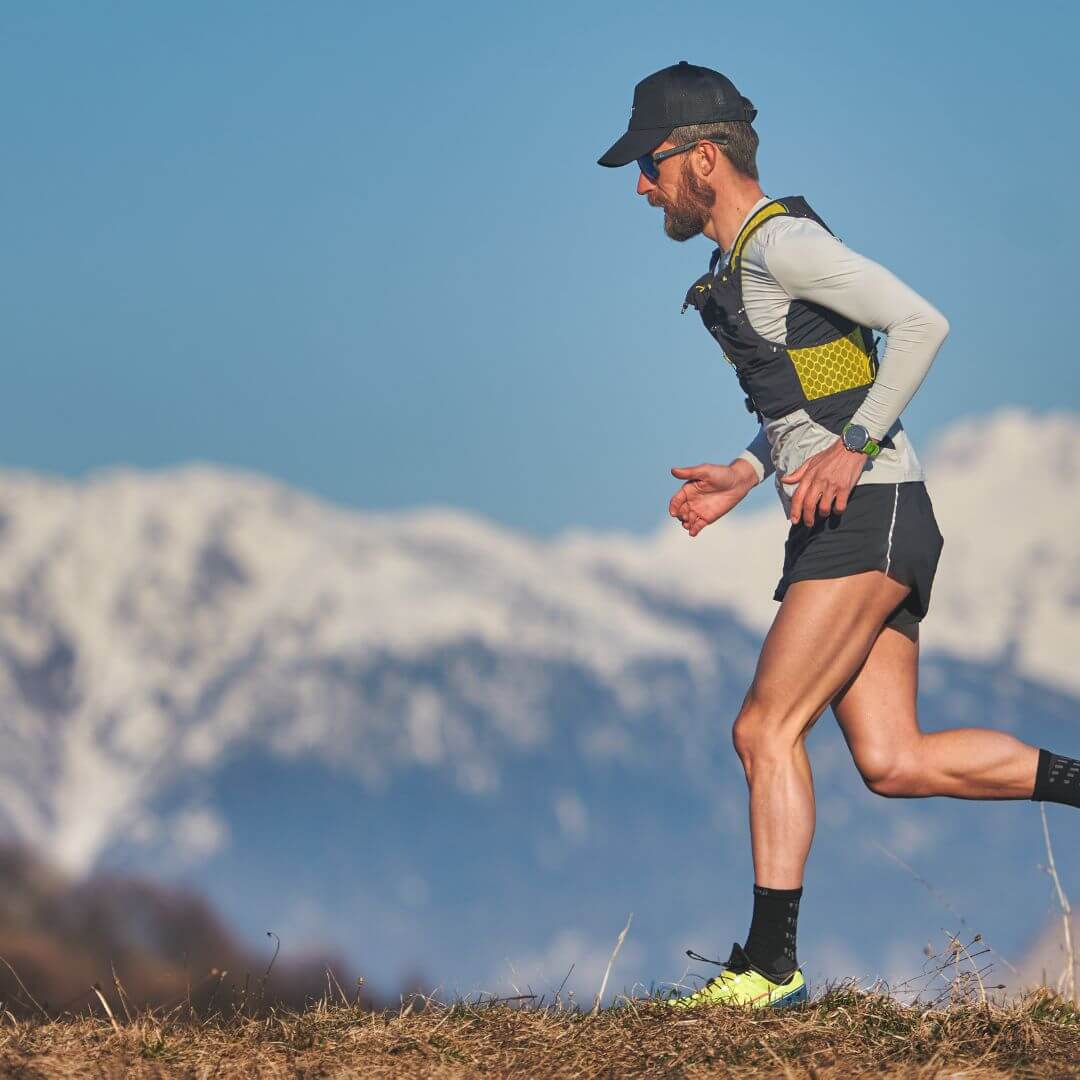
column 796, row 997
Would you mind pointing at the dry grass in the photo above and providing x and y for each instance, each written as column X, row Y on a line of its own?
column 846, row 1033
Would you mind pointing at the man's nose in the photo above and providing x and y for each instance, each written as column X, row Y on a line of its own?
column 644, row 184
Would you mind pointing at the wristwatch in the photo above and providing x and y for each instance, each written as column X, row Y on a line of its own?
column 857, row 439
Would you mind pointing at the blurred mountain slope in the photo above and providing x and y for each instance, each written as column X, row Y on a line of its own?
column 166, row 945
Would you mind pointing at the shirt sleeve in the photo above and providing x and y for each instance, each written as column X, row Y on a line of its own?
column 759, row 455
column 810, row 264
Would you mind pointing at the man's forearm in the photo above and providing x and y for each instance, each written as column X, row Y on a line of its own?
column 746, row 472
column 758, row 455
column 909, row 352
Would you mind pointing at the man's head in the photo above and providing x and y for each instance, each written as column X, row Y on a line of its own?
column 709, row 160
column 701, row 129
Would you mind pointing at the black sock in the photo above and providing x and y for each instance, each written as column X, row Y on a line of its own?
column 770, row 945
column 1057, row 779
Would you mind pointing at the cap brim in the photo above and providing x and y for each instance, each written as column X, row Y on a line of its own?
column 632, row 145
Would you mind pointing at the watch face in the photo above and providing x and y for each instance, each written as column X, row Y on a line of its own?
column 855, row 437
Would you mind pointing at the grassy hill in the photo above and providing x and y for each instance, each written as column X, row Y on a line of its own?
column 844, row 1033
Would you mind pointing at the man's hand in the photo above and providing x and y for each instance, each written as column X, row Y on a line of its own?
column 825, row 481
column 709, row 493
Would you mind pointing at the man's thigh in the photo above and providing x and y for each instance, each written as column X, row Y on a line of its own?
column 820, row 637
column 876, row 709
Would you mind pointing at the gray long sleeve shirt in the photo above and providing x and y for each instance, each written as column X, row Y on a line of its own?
column 795, row 258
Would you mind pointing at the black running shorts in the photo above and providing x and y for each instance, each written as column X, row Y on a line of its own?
column 889, row 527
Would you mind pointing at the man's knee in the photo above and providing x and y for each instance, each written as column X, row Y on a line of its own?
column 889, row 771
column 743, row 736
column 762, row 732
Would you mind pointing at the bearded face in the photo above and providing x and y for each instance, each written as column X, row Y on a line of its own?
column 687, row 213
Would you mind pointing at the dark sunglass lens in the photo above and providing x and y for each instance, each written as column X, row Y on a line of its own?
column 648, row 167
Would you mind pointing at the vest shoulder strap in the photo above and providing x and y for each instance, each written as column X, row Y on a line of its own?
column 790, row 206
column 769, row 210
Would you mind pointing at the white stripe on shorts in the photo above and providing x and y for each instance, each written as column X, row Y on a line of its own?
column 892, row 525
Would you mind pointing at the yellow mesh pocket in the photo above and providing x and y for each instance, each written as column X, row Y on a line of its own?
column 827, row 369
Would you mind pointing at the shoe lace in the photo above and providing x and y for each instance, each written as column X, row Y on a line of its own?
column 738, row 963
column 731, row 969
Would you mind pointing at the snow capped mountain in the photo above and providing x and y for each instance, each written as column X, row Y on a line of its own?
column 153, row 621
column 156, row 624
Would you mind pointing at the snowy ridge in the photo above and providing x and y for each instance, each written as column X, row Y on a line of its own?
column 151, row 622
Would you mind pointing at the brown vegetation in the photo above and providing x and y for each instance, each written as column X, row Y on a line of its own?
column 846, row 1033
column 114, row 977
column 166, row 946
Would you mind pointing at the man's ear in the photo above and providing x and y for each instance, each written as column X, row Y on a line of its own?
column 707, row 156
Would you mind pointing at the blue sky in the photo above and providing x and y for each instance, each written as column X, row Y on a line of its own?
column 366, row 248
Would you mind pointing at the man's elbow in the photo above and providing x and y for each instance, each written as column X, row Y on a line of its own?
column 937, row 326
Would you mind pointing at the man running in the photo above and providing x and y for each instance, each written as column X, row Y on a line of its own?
column 795, row 313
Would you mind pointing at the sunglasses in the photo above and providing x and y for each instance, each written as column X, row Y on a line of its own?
column 649, row 164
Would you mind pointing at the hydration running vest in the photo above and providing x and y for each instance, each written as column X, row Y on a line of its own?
column 826, row 363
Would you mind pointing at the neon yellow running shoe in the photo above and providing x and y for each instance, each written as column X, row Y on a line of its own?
column 742, row 985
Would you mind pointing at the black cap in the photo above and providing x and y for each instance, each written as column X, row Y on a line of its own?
column 670, row 98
